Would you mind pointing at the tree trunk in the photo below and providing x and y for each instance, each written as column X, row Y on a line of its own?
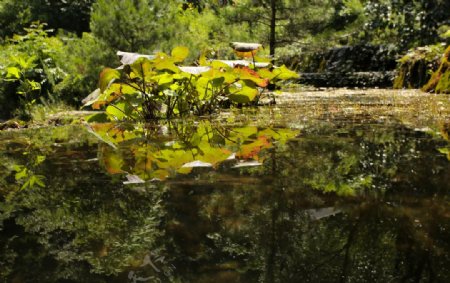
column 272, row 39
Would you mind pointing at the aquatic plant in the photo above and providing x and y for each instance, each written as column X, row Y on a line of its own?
column 154, row 88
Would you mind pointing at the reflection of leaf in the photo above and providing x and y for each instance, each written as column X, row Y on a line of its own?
column 247, row 164
column 251, row 150
column 445, row 150
column 22, row 172
column 133, row 179
column 211, row 154
column 113, row 162
column 196, row 163
column 197, row 145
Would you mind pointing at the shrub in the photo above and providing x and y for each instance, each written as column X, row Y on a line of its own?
column 28, row 70
column 440, row 80
column 82, row 59
column 413, row 69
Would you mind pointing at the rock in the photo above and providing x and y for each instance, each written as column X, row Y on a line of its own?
column 351, row 79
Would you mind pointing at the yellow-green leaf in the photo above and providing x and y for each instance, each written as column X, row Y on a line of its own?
column 180, row 53
column 13, row 73
column 107, row 76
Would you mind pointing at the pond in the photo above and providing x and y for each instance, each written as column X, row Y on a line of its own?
column 325, row 186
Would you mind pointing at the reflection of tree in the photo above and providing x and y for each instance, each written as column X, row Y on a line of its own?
column 83, row 227
column 269, row 229
column 304, row 215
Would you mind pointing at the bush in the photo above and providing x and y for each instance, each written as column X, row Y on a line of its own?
column 440, row 80
column 28, row 70
column 82, row 59
column 414, row 69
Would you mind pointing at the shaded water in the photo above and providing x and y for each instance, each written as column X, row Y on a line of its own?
column 334, row 186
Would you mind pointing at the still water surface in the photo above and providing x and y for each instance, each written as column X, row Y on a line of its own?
column 326, row 186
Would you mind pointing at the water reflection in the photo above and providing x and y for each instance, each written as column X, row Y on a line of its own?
column 159, row 152
column 204, row 202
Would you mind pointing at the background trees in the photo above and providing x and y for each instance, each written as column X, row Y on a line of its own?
column 93, row 30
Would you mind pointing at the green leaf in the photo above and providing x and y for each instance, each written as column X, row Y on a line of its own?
column 245, row 73
column 266, row 74
column 39, row 180
column 164, row 78
column 13, row 72
column 243, row 93
column 217, row 82
column 166, row 65
column 34, row 85
column 203, row 88
column 40, row 159
column 97, row 118
column 21, row 174
column 180, row 53
column 142, row 68
column 119, row 111
column 108, row 76
column 283, row 73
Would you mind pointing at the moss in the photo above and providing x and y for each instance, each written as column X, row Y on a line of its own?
column 413, row 68
column 440, row 79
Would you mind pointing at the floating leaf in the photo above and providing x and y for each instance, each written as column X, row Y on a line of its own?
column 113, row 162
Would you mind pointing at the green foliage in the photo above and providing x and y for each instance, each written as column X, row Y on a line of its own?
column 131, row 25
column 28, row 70
column 440, row 79
column 26, row 175
column 151, row 26
column 203, row 144
column 14, row 16
column 82, row 59
column 405, row 23
column 414, row 68
column 292, row 20
column 150, row 89
column 71, row 15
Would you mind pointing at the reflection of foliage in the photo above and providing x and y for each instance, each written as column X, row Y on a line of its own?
column 445, row 132
column 76, row 220
column 27, row 176
column 195, row 145
column 270, row 223
column 271, row 229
